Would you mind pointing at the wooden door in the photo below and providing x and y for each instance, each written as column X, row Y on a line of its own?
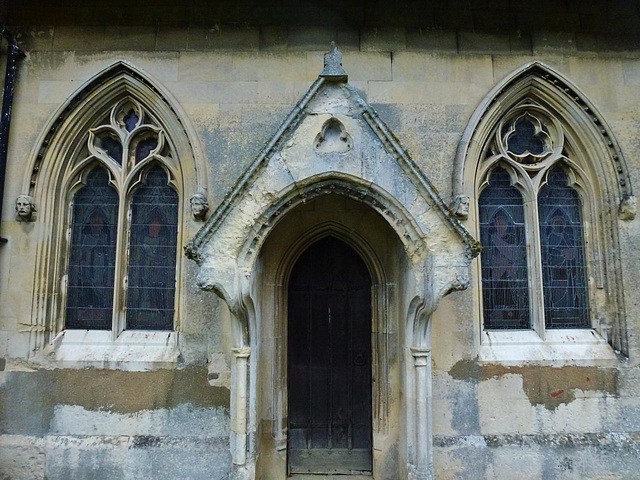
column 329, row 361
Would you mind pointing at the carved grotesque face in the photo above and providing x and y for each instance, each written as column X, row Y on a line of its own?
column 199, row 206
column 463, row 208
column 23, row 206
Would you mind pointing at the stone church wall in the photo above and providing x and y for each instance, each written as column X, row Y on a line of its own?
column 236, row 85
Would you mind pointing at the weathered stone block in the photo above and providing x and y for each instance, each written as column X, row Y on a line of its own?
column 273, row 38
column 609, row 22
column 453, row 19
column 548, row 21
column 240, row 39
column 432, row 40
column 608, row 71
column 424, row 93
column 368, row 66
column 470, row 42
column 78, row 38
column 21, row 458
column 281, row 91
column 35, row 38
column 205, row 67
column 348, row 39
column 631, row 72
column 172, row 38
column 269, row 66
column 310, row 38
column 495, row 21
column 54, row 92
column 618, row 42
column 413, row 66
column 383, row 39
column 549, row 41
column 129, row 38
column 520, row 43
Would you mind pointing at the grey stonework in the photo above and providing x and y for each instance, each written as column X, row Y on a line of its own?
column 285, row 152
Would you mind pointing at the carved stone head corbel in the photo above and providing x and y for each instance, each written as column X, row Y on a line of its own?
column 25, row 208
column 460, row 206
column 199, row 206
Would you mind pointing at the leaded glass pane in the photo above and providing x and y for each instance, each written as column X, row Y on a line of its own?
column 145, row 147
column 152, row 254
column 130, row 121
column 92, row 254
column 505, row 284
column 563, row 267
column 112, row 147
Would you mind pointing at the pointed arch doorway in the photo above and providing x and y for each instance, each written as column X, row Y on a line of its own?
column 329, row 361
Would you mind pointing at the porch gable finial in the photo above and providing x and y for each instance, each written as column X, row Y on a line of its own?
column 333, row 70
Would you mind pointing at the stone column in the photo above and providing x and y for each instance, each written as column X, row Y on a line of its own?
column 424, row 441
column 239, row 424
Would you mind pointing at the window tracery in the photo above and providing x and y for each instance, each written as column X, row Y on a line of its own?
column 538, row 126
column 530, row 208
column 122, row 264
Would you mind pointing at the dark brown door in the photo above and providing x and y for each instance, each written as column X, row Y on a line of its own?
column 329, row 355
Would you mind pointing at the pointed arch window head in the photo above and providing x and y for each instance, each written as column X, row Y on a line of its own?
column 534, row 273
column 122, row 256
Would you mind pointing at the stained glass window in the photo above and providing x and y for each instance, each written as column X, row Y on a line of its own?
column 563, row 265
column 107, row 246
column 92, row 254
column 152, row 254
column 505, row 285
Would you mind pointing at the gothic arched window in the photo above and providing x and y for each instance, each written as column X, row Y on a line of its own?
column 550, row 184
column 530, row 211
column 123, row 221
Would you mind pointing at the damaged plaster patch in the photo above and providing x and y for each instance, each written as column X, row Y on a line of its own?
column 182, row 421
column 544, row 385
column 32, row 397
column 21, row 458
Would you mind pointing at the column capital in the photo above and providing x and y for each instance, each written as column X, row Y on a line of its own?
column 242, row 352
column 421, row 356
column 420, row 351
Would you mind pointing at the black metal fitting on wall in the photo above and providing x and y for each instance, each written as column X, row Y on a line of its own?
column 13, row 53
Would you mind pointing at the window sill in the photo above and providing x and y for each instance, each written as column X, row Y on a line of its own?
column 131, row 350
column 560, row 347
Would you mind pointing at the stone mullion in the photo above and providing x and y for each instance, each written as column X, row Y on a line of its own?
column 122, row 254
column 534, row 258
